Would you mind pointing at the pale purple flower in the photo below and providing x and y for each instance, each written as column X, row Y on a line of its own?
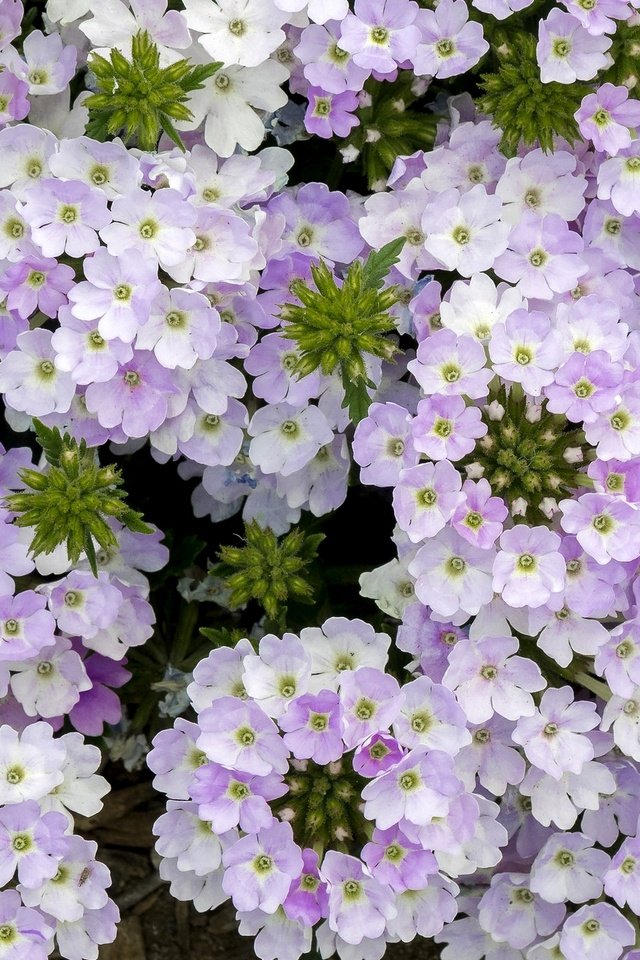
column 597, row 929
column 618, row 659
column 382, row 444
column 181, row 837
column 529, row 568
column 259, row 869
column 10, row 21
column 379, row 753
column 136, row 399
column 524, row 350
column 118, row 292
column 568, row 868
column 425, row 498
column 567, row 632
column 478, row 517
column 108, row 166
column 30, row 842
column 272, row 362
column 285, row 438
column 380, row 34
column 49, row 64
column 567, row 52
column 312, row 727
column 617, row 433
column 182, row 328
column 157, row 224
column 396, row 861
column 512, row 913
column 445, row 428
column 416, row 789
column 622, row 878
column 279, row 673
column 30, row 380
column 14, row 104
column 487, row 678
column 451, row 365
column 227, row 799
column 616, row 478
column 82, row 351
column 542, row 183
column 326, row 64
column 474, row 308
column 83, row 604
column 619, row 180
column 584, row 386
column 607, row 117
column 370, row 702
column 64, row 216
column 50, row 684
column 25, row 626
column 451, row 44
column 605, row 526
column 239, row 735
column 31, row 934
column 430, row 717
column 465, row 232
column 214, row 438
column 395, row 214
column 63, row 896
column 359, row 906
column 621, row 715
column 223, row 249
column 318, row 222
column 36, row 283
column 553, row 738
column 491, row 757
column 330, row 113
column 601, row 17
column 452, row 576
column 30, row 762
column 542, row 256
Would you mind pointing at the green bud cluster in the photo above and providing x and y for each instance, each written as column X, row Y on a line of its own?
column 138, row 98
column 524, row 460
column 268, row 570
column 323, row 807
column 527, row 110
column 70, row 500
column 625, row 53
column 336, row 327
column 390, row 127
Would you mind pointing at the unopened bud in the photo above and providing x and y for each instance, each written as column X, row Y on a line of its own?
column 549, row 507
column 399, row 105
column 573, row 455
column 495, row 410
column 519, row 507
column 364, row 99
column 349, row 153
column 372, row 135
column 474, row 471
column 533, row 412
column 287, row 814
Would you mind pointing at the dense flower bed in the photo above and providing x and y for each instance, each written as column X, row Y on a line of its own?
column 270, row 265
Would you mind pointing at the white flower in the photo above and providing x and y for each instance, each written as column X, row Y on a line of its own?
column 227, row 103
column 82, row 789
column 391, row 586
column 244, row 32
column 114, row 25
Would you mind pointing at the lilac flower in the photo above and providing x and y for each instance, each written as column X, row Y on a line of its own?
column 64, row 217
column 560, row 801
column 603, row 525
column 568, row 868
column 213, row 438
column 478, row 517
column 30, row 380
column 618, row 660
column 157, row 225
column 598, row 929
column 425, row 498
column 14, row 104
column 474, row 308
column 397, row 861
column 10, row 22
column 279, row 673
column 62, row 896
column 451, row 44
column 330, row 113
column 416, row 789
column 619, row 180
column 259, row 869
column 285, row 438
column 528, row 569
column 621, row 880
column 601, row 18
column 180, row 836
column 227, row 799
column 542, row 256
column 359, row 906
column 82, row 352
column 246, row 32
column 488, row 679
column 25, row 626
column 370, row 702
column 382, row 444
column 451, row 365
column 430, row 717
column 30, row 843
column 451, row 575
column 617, row 433
column 616, row 478
column 584, row 387
column 605, row 117
column 83, row 604
column 107, row 166
column 566, row 51
column 380, row 34
column 326, row 64
column 239, row 735
column 272, row 361
column 136, row 399
column 445, row 428
column 553, row 739
column 223, row 249
column 376, row 755
column 49, row 64
column 491, row 757
column 465, row 233
column 118, row 292
column 50, row 685
column 512, row 913
column 312, row 727
column 542, row 184
column 524, row 350
column 318, row 223
column 622, row 716
column 36, row 283
column 26, row 150
column 28, row 933
column 307, row 900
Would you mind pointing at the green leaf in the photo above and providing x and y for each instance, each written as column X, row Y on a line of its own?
column 379, row 262
column 356, row 398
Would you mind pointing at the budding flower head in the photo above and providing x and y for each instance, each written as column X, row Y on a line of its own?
column 268, row 570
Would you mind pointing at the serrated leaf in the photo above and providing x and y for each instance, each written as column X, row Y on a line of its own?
column 356, row 399
column 379, row 262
